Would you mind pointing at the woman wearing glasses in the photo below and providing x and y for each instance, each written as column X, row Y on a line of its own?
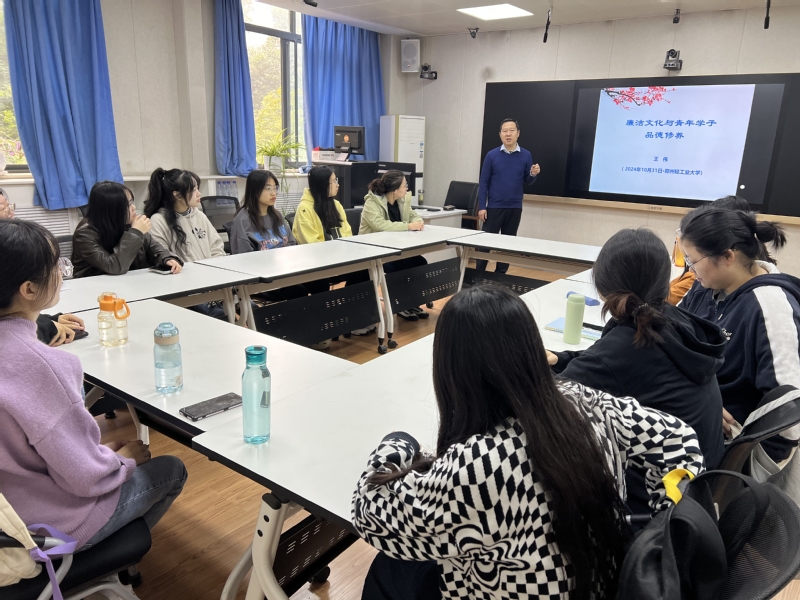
column 258, row 225
column 757, row 307
column 387, row 207
column 113, row 239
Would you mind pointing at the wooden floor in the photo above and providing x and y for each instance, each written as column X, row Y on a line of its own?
column 198, row 542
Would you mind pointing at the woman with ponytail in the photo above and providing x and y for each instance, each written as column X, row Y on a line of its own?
column 663, row 356
column 177, row 223
column 387, row 207
column 757, row 307
column 523, row 496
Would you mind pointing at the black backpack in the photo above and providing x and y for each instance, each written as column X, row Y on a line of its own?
column 687, row 553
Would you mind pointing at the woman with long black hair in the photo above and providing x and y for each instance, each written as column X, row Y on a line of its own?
column 258, row 225
column 524, row 493
column 112, row 239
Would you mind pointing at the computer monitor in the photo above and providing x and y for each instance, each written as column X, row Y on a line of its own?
column 348, row 140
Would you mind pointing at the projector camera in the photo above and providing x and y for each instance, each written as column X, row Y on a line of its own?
column 673, row 61
column 677, row 18
column 426, row 73
column 310, row 3
column 473, row 32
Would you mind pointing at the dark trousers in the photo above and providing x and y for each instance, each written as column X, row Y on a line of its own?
column 504, row 221
column 392, row 579
column 404, row 263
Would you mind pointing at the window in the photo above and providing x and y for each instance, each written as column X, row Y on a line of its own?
column 9, row 136
column 274, row 49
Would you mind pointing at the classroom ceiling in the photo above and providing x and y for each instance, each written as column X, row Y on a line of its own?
column 440, row 17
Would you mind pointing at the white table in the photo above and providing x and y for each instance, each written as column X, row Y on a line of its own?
column 441, row 217
column 586, row 276
column 213, row 362
column 549, row 303
column 546, row 255
column 194, row 285
column 283, row 267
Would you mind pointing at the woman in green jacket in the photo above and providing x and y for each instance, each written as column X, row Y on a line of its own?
column 387, row 207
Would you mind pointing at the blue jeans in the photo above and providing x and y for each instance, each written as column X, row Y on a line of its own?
column 149, row 493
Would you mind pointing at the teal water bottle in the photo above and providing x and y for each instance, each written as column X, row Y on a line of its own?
column 167, row 359
column 256, row 401
column 573, row 321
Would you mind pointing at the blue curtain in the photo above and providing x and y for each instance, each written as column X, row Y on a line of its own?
column 62, row 97
column 342, row 83
column 234, row 127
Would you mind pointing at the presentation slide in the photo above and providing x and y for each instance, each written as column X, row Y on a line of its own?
column 672, row 142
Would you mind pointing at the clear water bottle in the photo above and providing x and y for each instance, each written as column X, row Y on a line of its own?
column 256, row 402
column 167, row 359
column 112, row 320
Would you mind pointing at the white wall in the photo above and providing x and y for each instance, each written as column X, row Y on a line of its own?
column 717, row 43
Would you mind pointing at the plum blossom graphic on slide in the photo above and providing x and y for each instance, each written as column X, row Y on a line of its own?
column 625, row 98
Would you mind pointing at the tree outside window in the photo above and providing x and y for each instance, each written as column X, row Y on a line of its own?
column 9, row 136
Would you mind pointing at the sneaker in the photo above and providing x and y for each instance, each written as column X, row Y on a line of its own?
column 323, row 345
column 408, row 315
column 420, row 313
column 364, row 330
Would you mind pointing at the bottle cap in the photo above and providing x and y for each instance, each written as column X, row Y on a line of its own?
column 256, row 355
column 166, row 334
column 576, row 299
column 107, row 300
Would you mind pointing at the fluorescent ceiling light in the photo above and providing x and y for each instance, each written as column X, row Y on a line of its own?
column 496, row 11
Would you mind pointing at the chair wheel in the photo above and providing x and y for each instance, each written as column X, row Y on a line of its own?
column 321, row 576
column 348, row 335
column 132, row 579
column 382, row 349
column 392, row 344
column 429, row 304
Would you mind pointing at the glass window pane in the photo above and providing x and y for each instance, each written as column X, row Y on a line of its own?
column 9, row 137
column 258, row 13
column 264, row 54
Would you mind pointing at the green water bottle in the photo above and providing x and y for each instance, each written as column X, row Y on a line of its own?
column 573, row 321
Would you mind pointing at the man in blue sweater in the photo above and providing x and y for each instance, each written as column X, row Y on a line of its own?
column 505, row 170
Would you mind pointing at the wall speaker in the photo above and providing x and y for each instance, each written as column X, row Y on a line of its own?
column 409, row 56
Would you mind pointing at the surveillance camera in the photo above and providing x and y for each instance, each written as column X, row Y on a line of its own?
column 473, row 32
column 677, row 17
column 673, row 61
column 426, row 73
column 426, row 67
column 672, row 53
column 310, row 3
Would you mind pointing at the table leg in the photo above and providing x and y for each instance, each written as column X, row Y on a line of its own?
column 387, row 307
column 246, row 309
column 375, row 274
column 236, row 577
column 142, row 432
column 464, row 253
column 228, row 305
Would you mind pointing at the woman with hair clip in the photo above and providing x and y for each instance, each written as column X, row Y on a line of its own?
column 663, row 356
column 176, row 221
column 53, row 468
column 523, row 495
column 387, row 207
column 112, row 239
column 757, row 307
column 682, row 284
column 257, row 225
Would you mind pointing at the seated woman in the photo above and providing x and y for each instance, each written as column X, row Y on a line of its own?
column 757, row 307
column 53, row 468
column 112, row 239
column 259, row 226
column 387, row 207
column 663, row 356
column 524, row 490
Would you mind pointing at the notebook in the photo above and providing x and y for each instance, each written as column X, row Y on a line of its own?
column 587, row 334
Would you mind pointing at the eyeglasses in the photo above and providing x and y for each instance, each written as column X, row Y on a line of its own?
column 271, row 188
column 335, row 181
column 690, row 265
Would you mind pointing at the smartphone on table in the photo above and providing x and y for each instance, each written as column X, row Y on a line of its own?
column 214, row 406
column 165, row 270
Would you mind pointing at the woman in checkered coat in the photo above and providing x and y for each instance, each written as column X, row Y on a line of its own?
column 524, row 496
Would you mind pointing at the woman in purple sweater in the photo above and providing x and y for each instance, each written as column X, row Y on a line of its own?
column 53, row 468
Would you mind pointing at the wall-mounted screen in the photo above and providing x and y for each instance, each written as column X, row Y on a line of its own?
column 673, row 141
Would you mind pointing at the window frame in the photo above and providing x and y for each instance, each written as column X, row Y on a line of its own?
column 288, row 41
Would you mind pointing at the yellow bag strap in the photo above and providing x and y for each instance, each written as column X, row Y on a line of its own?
column 671, row 482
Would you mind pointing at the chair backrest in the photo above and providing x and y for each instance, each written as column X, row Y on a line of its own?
column 354, row 218
column 464, row 196
column 290, row 219
column 220, row 210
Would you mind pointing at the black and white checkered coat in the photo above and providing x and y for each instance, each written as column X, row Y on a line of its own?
column 483, row 516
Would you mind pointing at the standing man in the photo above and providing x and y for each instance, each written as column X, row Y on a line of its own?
column 505, row 170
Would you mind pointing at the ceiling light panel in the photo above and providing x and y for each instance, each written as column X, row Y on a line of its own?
column 495, row 12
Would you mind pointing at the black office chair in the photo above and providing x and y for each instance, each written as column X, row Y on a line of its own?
column 65, row 245
column 354, row 218
column 464, row 196
column 228, row 227
column 290, row 219
column 101, row 567
column 220, row 210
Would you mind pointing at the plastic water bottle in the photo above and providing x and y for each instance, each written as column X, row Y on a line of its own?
column 573, row 322
column 256, row 401
column 167, row 359
column 112, row 320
